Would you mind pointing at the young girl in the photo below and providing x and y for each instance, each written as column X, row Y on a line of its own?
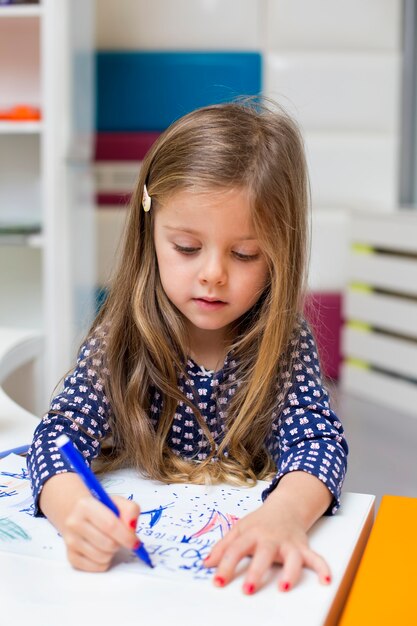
column 199, row 367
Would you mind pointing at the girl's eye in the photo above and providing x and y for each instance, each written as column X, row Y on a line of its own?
column 185, row 249
column 246, row 257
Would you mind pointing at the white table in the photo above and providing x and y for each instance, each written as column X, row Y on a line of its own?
column 49, row 593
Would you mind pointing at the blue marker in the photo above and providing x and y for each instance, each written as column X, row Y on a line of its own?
column 74, row 457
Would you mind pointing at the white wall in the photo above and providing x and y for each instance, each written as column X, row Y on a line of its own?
column 336, row 65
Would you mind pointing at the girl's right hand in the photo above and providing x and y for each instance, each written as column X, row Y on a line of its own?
column 92, row 533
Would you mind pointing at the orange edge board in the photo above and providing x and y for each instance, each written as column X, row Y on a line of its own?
column 384, row 589
column 349, row 575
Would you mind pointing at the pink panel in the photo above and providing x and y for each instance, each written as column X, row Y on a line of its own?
column 113, row 199
column 123, row 146
column 323, row 310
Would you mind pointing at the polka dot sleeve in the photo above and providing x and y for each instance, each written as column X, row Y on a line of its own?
column 80, row 411
column 307, row 435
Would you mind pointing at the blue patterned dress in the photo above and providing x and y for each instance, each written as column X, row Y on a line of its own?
column 305, row 435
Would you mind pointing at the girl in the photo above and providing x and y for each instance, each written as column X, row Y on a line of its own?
column 199, row 367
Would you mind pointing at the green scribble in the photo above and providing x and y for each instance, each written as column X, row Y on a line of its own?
column 10, row 531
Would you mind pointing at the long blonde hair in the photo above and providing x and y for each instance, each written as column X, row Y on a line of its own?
column 245, row 144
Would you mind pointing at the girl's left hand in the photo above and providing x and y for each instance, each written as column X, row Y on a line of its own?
column 269, row 537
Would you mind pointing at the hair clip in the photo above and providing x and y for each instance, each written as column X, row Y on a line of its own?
column 146, row 200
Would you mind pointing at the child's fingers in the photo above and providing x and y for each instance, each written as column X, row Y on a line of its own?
column 99, row 516
column 90, row 552
column 262, row 560
column 98, row 539
column 94, row 534
column 293, row 561
column 117, row 529
column 216, row 553
column 316, row 562
column 241, row 547
column 82, row 562
column 129, row 511
column 292, row 565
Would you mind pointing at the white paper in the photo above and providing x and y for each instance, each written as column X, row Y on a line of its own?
column 179, row 524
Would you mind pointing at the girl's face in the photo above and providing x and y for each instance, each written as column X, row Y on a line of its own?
column 210, row 262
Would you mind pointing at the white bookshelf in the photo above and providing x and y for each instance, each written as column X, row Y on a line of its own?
column 20, row 128
column 47, row 278
column 21, row 10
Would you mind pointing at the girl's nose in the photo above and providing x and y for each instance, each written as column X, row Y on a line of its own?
column 213, row 271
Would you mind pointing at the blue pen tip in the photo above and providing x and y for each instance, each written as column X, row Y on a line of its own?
column 142, row 554
column 147, row 560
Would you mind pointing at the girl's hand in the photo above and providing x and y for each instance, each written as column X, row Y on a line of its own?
column 270, row 536
column 93, row 534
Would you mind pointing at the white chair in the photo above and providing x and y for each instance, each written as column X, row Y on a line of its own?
column 17, row 348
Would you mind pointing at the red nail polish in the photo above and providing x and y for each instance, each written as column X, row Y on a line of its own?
column 219, row 581
column 137, row 545
column 249, row 588
column 285, row 586
column 133, row 523
column 327, row 579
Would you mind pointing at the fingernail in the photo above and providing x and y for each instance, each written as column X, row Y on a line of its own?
column 219, row 581
column 285, row 586
column 137, row 545
column 248, row 588
column 327, row 579
column 206, row 559
column 133, row 523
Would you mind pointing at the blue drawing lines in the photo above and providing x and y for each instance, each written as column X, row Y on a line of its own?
column 11, row 482
column 156, row 514
column 22, row 475
column 5, row 491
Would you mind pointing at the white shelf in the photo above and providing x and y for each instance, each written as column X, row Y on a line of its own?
column 20, row 10
column 20, row 128
column 381, row 388
column 33, row 240
column 40, row 66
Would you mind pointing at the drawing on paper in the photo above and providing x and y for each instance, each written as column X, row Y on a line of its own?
column 179, row 524
column 218, row 520
column 22, row 474
column 9, row 530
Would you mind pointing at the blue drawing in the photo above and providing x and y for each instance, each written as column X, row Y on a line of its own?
column 4, row 493
column 22, row 475
column 156, row 514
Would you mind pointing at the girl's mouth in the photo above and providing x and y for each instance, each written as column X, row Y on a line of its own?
column 208, row 304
